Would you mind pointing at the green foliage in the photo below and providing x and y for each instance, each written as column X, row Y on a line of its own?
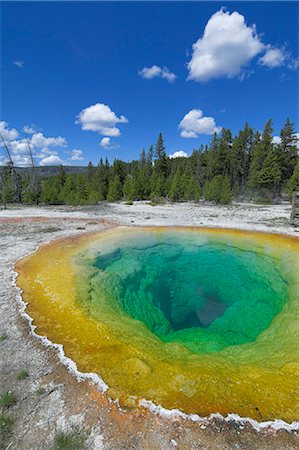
column 115, row 190
column 176, row 192
column 270, row 174
column 22, row 375
column 247, row 165
column 7, row 185
column 288, row 150
column 8, row 399
column 70, row 440
column 293, row 183
column 3, row 337
column 218, row 190
column 6, row 428
column 40, row 390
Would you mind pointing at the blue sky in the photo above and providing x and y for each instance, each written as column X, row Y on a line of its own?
column 104, row 79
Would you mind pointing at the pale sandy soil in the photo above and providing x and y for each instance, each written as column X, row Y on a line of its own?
column 65, row 401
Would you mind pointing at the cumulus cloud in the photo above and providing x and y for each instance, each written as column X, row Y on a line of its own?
column 19, row 64
column 76, row 155
column 21, row 160
column 30, row 129
column 41, row 146
column 179, row 154
column 52, row 160
column 18, row 146
column 8, row 134
column 157, row 72
column 277, row 140
column 108, row 144
column 39, row 140
column 101, row 118
column 225, row 49
column 274, row 57
column 195, row 123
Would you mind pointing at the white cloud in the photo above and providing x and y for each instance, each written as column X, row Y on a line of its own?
column 30, row 129
column 157, row 72
column 39, row 140
column 6, row 133
column 276, row 140
column 179, row 154
column 105, row 142
column 22, row 160
column 19, row 160
column 108, row 144
column 76, row 155
column 52, row 160
column 225, row 49
column 274, row 57
column 101, row 118
column 18, row 146
column 19, row 64
column 41, row 146
column 195, row 123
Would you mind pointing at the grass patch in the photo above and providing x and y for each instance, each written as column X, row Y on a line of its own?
column 6, row 425
column 92, row 223
column 129, row 203
column 262, row 201
column 70, row 440
column 23, row 374
column 8, row 399
column 3, row 337
column 80, row 228
column 40, row 391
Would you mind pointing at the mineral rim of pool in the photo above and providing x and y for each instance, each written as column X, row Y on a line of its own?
column 201, row 320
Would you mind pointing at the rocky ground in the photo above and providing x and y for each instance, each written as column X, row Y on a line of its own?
column 45, row 400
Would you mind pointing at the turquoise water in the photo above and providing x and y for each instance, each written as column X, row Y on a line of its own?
column 205, row 295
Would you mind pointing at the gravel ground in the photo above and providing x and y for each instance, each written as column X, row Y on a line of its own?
column 50, row 400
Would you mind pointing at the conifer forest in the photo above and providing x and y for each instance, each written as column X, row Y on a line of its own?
column 248, row 166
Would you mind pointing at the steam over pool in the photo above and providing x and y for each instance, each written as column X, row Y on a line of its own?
column 195, row 319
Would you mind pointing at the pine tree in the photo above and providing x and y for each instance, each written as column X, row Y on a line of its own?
column 262, row 148
column 115, row 190
column 161, row 168
column 128, row 188
column 218, row 190
column 61, row 177
column 293, row 183
column 176, row 192
column 149, row 160
column 7, row 185
column 28, row 196
column 288, row 151
column 270, row 174
column 240, row 158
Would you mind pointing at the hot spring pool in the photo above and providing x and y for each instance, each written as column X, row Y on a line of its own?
column 200, row 320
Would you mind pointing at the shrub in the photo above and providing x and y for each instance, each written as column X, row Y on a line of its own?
column 6, row 424
column 8, row 399
column 70, row 440
column 23, row 374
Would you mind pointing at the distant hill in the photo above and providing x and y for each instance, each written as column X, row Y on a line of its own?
column 46, row 171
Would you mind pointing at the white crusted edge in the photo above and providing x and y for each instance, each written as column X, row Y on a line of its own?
column 276, row 424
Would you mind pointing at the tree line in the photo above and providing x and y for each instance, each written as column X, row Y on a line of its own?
column 248, row 166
